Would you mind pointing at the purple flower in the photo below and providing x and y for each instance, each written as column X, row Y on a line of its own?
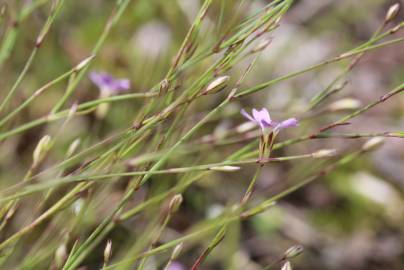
column 109, row 85
column 176, row 266
column 263, row 119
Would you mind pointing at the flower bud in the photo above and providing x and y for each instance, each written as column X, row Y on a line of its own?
column 392, row 12
column 324, row 153
column 73, row 147
column 345, row 104
column 84, row 63
column 373, row 143
column 108, row 251
column 293, row 251
column 216, row 85
column 244, row 127
column 60, row 255
column 42, row 149
column 177, row 250
column 287, row 266
column 175, row 203
column 164, row 86
column 262, row 46
column 225, row 168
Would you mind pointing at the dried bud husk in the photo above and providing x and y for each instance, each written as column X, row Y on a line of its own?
column 225, row 168
column 42, row 149
column 324, row 153
column 345, row 104
column 108, row 251
column 293, row 251
column 177, row 250
column 287, row 266
column 175, row 203
column 373, row 143
column 392, row 12
column 216, row 85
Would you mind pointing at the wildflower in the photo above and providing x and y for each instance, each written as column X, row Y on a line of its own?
column 108, row 86
column 263, row 119
column 269, row 128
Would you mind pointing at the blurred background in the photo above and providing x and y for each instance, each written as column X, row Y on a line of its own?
column 352, row 218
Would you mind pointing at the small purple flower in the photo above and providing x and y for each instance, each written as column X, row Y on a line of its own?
column 109, row 85
column 176, row 266
column 263, row 119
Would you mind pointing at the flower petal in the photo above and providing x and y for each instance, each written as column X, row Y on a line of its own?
column 291, row 122
column 257, row 116
column 97, row 78
column 264, row 114
column 266, row 124
column 105, row 82
column 120, row 85
column 247, row 115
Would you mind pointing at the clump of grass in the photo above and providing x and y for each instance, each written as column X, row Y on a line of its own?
column 69, row 207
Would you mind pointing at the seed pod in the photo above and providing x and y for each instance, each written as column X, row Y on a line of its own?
column 216, row 85
column 175, row 203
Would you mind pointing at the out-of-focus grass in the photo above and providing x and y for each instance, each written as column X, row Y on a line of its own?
column 153, row 143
